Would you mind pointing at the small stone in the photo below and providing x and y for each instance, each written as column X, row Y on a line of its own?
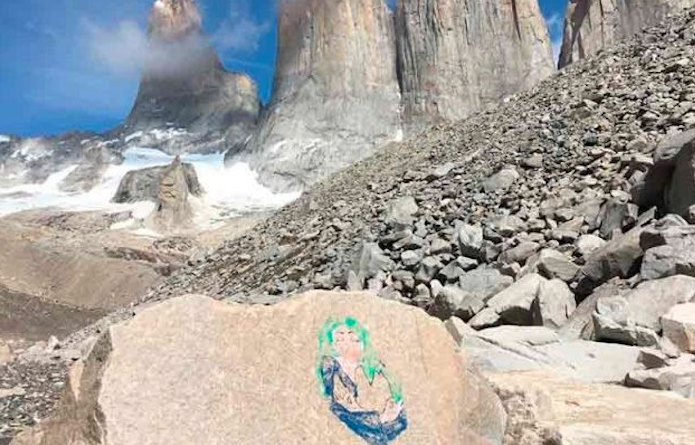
column 588, row 244
column 534, row 161
column 553, row 264
column 470, row 240
column 501, row 180
column 429, row 267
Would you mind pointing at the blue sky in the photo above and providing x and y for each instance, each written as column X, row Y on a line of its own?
column 70, row 64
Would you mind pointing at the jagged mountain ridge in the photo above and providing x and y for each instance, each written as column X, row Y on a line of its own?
column 335, row 96
column 458, row 56
column 382, row 78
column 185, row 86
column 591, row 25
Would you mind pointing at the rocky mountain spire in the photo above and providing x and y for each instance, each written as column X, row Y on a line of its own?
column 184, row 84
column 174, row 19
column 591, row 25
column 457, row 56
column 336, row 95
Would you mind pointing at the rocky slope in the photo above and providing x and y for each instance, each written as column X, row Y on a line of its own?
column 592, row 25
column 335, row 97
column 458, row 56
column 552, row 210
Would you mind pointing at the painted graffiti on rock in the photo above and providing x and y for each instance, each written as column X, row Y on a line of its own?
column 362, row 394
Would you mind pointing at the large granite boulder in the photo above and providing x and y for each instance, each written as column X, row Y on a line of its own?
column 315, row 369
column 184, row 85
column 591, row 25
column 143, row 185
column 336, row 95
column 457, row 56
column 173, row 210
column 547, row 408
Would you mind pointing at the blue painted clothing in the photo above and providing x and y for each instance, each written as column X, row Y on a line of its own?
column 366, row 424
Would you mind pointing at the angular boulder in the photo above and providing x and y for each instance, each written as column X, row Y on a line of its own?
column 143, row 185
column 548, row 408
column 680, row 193
column 195, row 370
column 679, row 326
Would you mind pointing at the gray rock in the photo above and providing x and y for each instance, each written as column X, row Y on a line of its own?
column 370, row 261
column 441, row 171
column 470, row 239
column 651, row 191
column 501, row 180
column 143, row 185
column 429, row 267
column 486, row 318
column 615, row 215
column 580, row 360
column 553, row 264
column 679, row 326
column 520, row 253
column 452, row 301
column 439, row 246
column 514, row 304
column 608, row 330
column 581, row 323
column 534, row 161
column 679, row 378
column 668, row 252
column 528, row 335
column 555, row 304
column 484, row 282
column 588, row 244
column 411, row 258
column 644, row 306
column 619, row 258
column 680, row 193
column 400, row 211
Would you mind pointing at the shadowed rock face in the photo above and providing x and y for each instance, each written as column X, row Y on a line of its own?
column 591, row 25
column 336, row 93
column 185, row 85
column 143, row 185
column 457, row 56
column 173, row 209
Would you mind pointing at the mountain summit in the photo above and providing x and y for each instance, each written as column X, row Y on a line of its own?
column 184, row 85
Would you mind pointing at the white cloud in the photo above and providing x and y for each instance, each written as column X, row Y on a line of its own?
column 240, row 32
column 121, row 50
column 124, row 50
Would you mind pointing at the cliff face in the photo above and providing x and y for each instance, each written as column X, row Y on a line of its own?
column 591, row 25
column 185, row 85
column 457, row 56
column 336, row 96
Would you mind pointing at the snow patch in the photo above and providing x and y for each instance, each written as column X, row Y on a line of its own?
column 4, row 138
column 32, row 150
column 229, row 192
column 136, row 135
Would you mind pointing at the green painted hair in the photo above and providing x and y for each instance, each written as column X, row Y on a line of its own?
column 370, row 363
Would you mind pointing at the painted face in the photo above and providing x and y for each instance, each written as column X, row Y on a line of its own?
column 347, row 344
